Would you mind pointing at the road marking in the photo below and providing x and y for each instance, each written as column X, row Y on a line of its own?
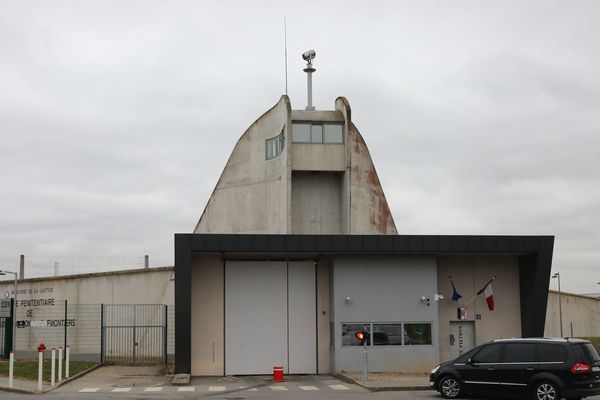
column 309, row 388
column 216, row 388
column 89, row 390
column 121, row 390
column 186, row 389
column 339, row 387
column 153, row 389
column 278, row 388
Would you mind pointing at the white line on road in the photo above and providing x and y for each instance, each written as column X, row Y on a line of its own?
column 121, row 390
column 278, row 387
column 186, row 389
column 216, row 388
column 339, row 387
column 153, row 389
column 309, row 388
column 89, row 390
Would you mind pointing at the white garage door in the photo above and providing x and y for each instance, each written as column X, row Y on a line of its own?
column 264, row 320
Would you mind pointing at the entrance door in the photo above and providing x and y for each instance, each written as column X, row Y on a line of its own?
column 302, row 317
column 270, row 317
column 255, row 317
column 462, row 337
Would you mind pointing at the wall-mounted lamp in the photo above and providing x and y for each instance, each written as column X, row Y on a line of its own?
column 425, row 300
column 348, row 299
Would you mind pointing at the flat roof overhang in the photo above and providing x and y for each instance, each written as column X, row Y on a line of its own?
column 534, row 253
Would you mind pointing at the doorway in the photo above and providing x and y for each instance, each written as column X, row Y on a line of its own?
column 462, row 337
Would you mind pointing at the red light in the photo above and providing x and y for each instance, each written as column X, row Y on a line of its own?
column 360, row 336
column 580, row 368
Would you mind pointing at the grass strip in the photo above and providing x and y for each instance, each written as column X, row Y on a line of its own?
column 28, row 369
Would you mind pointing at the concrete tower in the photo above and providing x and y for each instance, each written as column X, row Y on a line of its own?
column 299, row 172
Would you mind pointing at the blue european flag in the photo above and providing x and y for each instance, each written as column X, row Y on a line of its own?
column 455, row 294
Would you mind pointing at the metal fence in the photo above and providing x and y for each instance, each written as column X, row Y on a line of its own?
column 134, row 333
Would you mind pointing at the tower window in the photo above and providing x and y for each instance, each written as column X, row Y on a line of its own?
column 317, row 132
column 274, row 146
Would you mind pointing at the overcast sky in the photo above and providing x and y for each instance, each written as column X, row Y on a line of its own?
column 117, row 117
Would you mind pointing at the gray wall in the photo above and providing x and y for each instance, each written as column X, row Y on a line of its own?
column 582, row 312
column 384, row 289
column 316, row 202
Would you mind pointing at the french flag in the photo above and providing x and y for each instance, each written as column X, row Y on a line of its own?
column 489, row 295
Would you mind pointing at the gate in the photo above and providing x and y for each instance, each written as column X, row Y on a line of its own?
column 134, row 334
column 6, row 327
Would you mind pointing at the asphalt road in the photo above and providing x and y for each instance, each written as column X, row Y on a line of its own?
column 264, row 392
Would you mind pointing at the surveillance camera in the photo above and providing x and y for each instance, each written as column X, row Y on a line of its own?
column 309, row 55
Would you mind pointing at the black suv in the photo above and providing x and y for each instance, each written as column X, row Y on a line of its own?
column 544, row 369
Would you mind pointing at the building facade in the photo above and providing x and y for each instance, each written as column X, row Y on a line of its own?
column 296, row 250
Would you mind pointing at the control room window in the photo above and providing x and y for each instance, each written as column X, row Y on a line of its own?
column 348, row 331
column 415, row 334
column 318, row 132
column 333, row 133
column 387, row 334
column 300, row 133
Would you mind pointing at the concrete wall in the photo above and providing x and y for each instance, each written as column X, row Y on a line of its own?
column 367, row 208
column 581, row 311
column 384, row 289
column 44, row 298
column 316, row 202
column 208, row 317
column 251, row 195
column 255, row 195
column 470, row 273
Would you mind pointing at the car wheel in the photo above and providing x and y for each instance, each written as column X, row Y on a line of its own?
column 546, row 390
column 449, row 387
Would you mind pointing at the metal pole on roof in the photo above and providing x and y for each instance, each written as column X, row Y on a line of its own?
column 308, row 56
column 557, row 276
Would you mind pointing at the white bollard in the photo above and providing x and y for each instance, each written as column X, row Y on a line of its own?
column 67, row 363
column 52, row 367
column 40, row 369
column 11, row 364
column 60, row 349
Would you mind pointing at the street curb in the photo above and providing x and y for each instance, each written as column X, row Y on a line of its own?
column 74, row 377
column 347, row 379
column 16, row 390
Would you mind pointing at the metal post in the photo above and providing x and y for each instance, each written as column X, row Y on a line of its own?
column 146, row 261
column 11, row 364
column 52, row 367
column 166, row 324
column 60, row 359
column 560, row 306
column 572, row 329
column 40, row 369
column 365, row 363
column 101, row 333
column 65, row 322
column 309, row 87
column 22, row 266
column 14, row 338
column 134, row 338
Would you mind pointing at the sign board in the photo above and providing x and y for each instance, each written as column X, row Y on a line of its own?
column 5, row 308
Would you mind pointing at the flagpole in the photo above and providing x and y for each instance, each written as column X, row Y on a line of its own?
column 481, row 291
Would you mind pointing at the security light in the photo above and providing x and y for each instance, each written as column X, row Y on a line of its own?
column 309, row 55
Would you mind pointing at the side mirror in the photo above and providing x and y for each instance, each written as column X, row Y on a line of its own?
column 470, row 361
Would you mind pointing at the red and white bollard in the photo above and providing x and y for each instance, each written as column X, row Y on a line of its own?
column 278, row 374
column 40, row 369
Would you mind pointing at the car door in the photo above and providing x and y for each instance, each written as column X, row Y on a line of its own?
column 518, row 365
column 480, row 371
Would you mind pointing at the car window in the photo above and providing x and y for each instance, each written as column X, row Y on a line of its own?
column 586, row 353
column 519, row 352
column 488, row 354
column 552, row 352
column 467, row 355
